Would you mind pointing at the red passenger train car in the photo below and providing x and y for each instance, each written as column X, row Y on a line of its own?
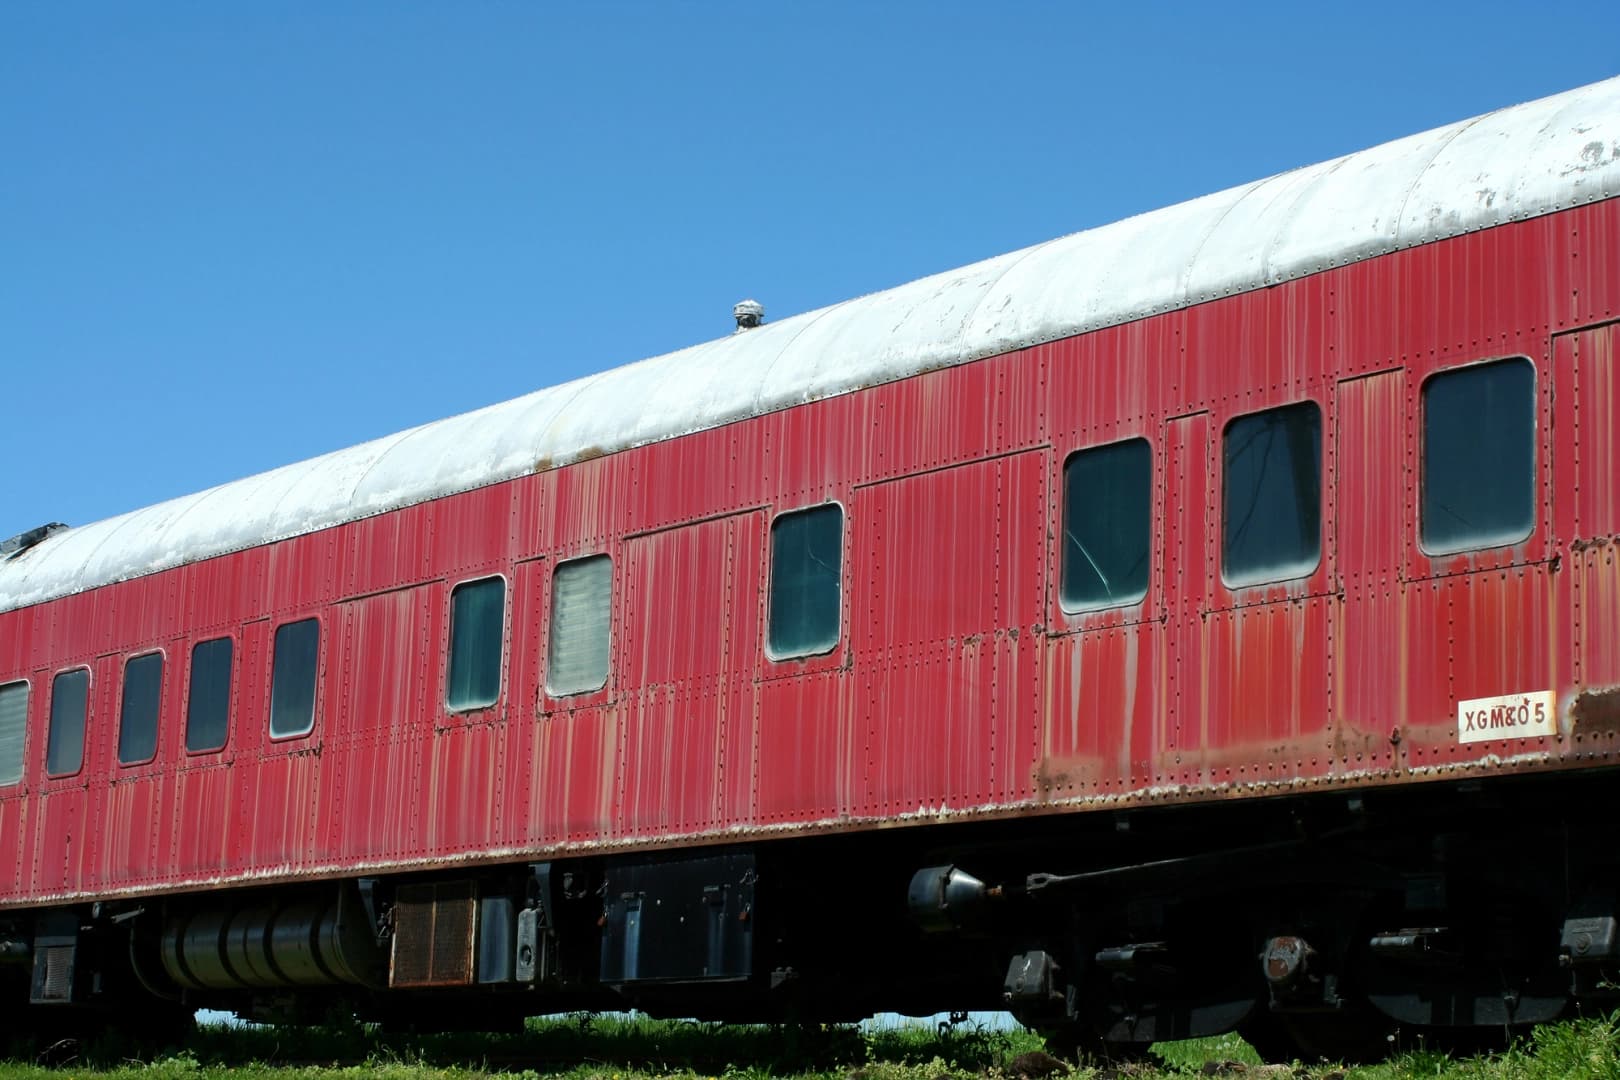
column 1206, row 621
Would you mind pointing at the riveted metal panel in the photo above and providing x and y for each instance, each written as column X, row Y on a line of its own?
column 1594, row 708
column 461, row 779
column 811, row 749
column 205, row 840
column 574, row 782
column 955, row 683
column 1267, row 708
column 1101, row 711
column 1369, row 669
column 1587, row 366
column 371, row 782
column 1183, row 719
column 691, row 622
column 943, row 597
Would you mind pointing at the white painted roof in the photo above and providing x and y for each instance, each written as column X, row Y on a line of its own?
column 1505, row 166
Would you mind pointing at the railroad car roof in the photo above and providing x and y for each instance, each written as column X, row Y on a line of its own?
column 1504, row 166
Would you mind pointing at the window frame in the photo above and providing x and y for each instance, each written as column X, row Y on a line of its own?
column 1323, row 515
column 1477, row 550
column 450, row 643
column 1063, row 520
column 230, row 693
column 22, row 746
column 551, row 627
column 84, row 720
column 123, row 700
column 843, row 572
column 315, row 691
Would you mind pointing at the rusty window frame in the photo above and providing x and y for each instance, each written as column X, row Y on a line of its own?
column 294, row 686
column 1269, row 493
column 480, row 651
column 818, row 593
column 130, row 753
column 13, row 732
column 1077, row 555
column 1476, row 467
column 69, row 720
column 212, row 693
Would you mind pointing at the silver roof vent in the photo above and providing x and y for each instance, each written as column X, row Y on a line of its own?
column 25, row 540
column 749, row 314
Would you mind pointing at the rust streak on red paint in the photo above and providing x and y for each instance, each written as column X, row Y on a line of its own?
column 1596, row 712
column 1069, row 773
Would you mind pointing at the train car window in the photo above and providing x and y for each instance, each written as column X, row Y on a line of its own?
column 64, row 743
column 138, row 716
column 208, row 708
column 1107, row 526
column 477, row 631
column 1271, row 525
column 1479, row 456
column 13, row 723
column 807, row 577
column 292, row 678
column 581, row 595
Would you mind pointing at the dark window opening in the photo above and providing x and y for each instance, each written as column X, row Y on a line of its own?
column 292, row 678
column 1107, row 525
column 1479, row 457
column 208, row 709
column 138, row 716
column 581, row 594
column 477, row 625
column 807, row 559
column 13, row 726
column 70, row 701
column 1271, row 528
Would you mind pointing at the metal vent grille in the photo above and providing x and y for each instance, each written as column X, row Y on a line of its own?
column 434, row 928
column 57, row 984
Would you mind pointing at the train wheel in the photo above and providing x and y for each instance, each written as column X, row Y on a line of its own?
column 1266, row 1034
column 1352, row 1036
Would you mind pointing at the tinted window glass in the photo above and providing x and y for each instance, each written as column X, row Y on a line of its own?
column 208, row 708
column 292, row 680
column 807, row 558
column 1107, row 525
column 64, row 746
column 1271, row 526
column 477, row 622
column 138, row 716
column 13, row 722
column 1479, row 456
column 580, row 609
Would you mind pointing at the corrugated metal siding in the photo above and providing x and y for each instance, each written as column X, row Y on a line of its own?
column 959, row 685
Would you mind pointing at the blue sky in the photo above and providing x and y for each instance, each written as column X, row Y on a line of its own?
column 237, row 235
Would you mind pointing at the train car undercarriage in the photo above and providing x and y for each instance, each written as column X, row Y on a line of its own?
column 1334, row 925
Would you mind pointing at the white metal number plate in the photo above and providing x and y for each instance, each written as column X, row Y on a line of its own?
column 1513, row 716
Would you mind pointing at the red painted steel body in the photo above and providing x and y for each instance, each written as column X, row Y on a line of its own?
column 959, row 685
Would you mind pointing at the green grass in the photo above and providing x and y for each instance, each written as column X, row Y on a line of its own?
column 607, row 1048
